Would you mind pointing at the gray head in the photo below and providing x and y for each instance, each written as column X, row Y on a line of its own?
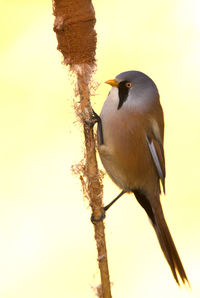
column 135, row 90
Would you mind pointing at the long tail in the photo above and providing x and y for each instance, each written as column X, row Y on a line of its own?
column 164, row 237
column 169, row 248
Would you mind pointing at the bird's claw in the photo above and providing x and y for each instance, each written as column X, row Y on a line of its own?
column 94, row 118
column 95, row 220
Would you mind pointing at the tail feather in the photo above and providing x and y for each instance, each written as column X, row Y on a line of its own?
column 169, row 249
column 164, row 237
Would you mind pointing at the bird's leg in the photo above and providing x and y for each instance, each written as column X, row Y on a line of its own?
column 113, row 201
column 93, row 120
column 100, row 129
column 103, row 215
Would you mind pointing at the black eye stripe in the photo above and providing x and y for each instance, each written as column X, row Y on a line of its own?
column 123, row 91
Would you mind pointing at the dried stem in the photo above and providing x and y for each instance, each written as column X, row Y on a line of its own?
column 74, row 27
column 94, row 185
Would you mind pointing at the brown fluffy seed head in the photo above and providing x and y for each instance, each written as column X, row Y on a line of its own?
column 74, row 27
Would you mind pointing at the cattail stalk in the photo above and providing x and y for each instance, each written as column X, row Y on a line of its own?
column 74, row 27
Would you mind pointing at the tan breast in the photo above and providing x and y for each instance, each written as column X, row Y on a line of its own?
column 125, row 153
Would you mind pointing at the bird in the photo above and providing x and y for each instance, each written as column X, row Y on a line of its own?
column 130, row 137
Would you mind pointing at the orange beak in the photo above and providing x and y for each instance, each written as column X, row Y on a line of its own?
column 112, row 83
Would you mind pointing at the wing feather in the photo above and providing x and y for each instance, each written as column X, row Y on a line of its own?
column 157, row 153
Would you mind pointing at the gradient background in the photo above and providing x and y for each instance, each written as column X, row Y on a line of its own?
column 46, row 238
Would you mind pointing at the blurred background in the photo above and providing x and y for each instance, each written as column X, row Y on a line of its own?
column 47, row 248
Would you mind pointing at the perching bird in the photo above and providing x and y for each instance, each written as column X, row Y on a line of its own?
column 130, row 145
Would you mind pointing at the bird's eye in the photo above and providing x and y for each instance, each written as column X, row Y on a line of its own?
column 129, row 85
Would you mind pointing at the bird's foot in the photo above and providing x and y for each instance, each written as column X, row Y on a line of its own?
column 94, row 118
column 103, row 214
column 95, row 220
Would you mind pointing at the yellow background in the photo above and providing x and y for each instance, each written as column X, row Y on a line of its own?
column 46, row 238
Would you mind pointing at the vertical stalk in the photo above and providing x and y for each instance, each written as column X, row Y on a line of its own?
column 74, row 27
column 94, row 186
